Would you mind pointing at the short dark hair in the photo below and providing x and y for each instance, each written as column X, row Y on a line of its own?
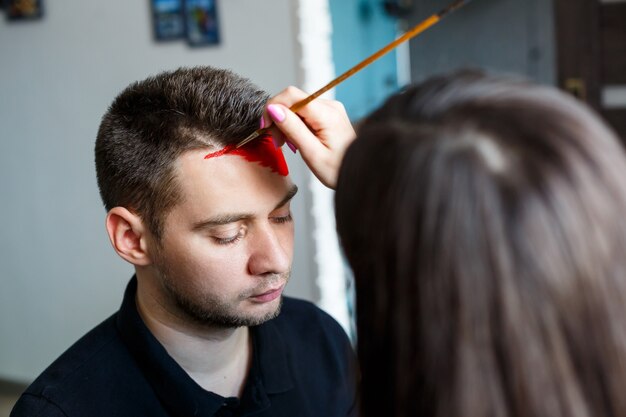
column 154, row 121
column 483, row 218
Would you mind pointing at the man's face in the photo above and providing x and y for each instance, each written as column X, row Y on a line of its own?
column 227, row 247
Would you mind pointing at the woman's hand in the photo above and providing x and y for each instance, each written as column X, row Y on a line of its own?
column 321, row 130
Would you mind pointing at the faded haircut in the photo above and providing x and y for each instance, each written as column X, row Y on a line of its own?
column 152, row 122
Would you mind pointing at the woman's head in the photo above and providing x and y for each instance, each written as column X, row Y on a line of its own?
column 482, row 217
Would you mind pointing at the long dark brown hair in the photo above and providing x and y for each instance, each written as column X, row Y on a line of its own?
column 483, row 218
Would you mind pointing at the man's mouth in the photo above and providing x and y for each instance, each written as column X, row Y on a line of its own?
column 269, row 295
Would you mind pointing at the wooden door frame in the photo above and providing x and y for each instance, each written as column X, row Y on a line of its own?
column 577, row 48
column 591, row 53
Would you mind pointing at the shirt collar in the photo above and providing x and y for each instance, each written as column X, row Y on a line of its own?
column 181, row 395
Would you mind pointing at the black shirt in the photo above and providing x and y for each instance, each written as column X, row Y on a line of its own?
column 302, row 365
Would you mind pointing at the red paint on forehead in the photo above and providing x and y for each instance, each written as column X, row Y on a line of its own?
column 261, row 150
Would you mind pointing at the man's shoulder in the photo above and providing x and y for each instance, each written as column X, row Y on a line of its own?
column 88, row 370
column 81, row 355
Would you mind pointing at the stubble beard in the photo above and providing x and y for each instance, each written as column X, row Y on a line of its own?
column 211, row 311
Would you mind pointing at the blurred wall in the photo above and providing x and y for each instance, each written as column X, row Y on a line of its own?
column 59, row 276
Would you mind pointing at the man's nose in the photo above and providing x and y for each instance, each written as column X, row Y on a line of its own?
column 268, row 254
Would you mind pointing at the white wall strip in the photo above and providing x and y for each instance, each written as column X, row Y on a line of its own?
column 403, row 57
column 317, row 69
column 614, row 97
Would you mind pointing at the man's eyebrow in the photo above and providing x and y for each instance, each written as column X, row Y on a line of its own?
column 290, row 194
column 235, row 217
column 221, row 220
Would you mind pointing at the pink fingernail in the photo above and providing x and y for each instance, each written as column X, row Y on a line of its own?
column 291, row 146
column 276, row 112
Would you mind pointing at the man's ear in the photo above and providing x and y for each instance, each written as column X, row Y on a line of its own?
column 128, row 235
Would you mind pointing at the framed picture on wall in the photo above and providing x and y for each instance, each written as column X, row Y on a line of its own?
column 201, row 22
column 23, row 9
column 168, row 19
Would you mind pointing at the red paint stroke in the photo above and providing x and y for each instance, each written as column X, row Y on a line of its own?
column 261, row 150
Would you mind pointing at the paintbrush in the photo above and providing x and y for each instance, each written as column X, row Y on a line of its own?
column 416, row 30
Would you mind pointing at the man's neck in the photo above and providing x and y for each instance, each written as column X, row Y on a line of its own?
column 217, row 359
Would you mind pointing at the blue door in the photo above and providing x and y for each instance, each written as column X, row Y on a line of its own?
column 360, row 28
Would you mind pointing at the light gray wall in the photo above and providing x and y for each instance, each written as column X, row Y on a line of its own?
column 512, row 36
column 59, row 276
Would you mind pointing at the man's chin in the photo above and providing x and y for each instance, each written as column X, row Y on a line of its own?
column 265, row 311
column 255, row 314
